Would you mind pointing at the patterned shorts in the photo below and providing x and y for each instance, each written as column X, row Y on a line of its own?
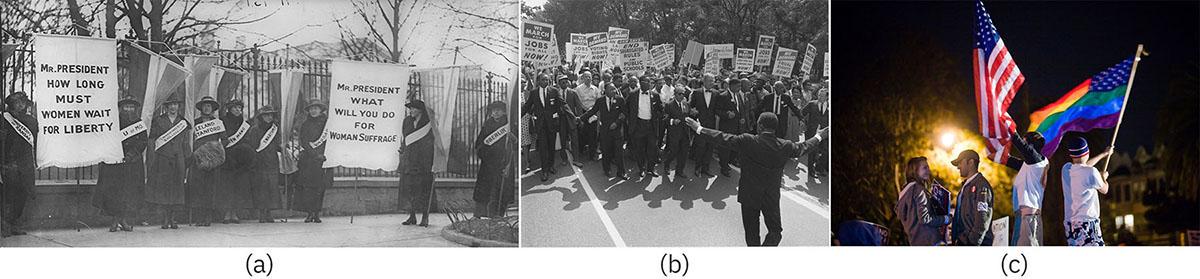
column 1086, row 233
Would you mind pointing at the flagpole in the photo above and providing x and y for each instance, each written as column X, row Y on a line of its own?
column 1129, row 87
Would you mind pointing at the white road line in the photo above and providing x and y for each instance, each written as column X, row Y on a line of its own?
column 806, row 203
column 587, row 188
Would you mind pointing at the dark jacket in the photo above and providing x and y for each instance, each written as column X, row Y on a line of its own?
column 973, row 213
column 547, row 117
column 494, row 161
column 609, row 111
column 762, row 165
column 632, row 106
column 417, row 157
column 16, row 151
column 781, row 110
column 707, row 112
column 678, row 113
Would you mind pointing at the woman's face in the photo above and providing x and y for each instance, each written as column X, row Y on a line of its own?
column 314, row 111
column 206, row 109
column 269, row 118
column 923, row 171
column 235, row 110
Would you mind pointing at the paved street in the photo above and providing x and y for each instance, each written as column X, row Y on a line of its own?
column 591, row 210
column 367, row 231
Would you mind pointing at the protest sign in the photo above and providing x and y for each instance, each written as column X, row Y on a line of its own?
column 691, row 54
column 76, row 95
column 809, row 55
column 366, row 105
column 537, row 45
column 660, row 58
column 745, row 60
column 598, row 48
column 724, row 51
column 712, row 60
column 617, row 37
column 577, row 50
column 784, row 61
column 634, row 57
column 763, row 56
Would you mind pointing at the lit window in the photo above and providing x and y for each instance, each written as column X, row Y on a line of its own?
column 1129, row 221
column 1120, row 221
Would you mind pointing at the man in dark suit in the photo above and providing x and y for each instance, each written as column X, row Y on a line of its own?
column 709, row 108
column 816, row 116
column 609, row 114
column 546, row 105
column 570, row 134
column 762, row 172
column 780, row 103
column 732, row 121
column 644, row 110
column 679, row 137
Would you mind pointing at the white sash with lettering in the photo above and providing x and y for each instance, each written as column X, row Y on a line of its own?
column 496, row 135
column 320, row 140
column 266, row 139
column 237, row 137
column 209, row 128
column 20, row 127
column 133, row 129
column 417, row 135
column 170, row 134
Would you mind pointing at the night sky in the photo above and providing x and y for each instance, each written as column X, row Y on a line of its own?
column 1057, row 45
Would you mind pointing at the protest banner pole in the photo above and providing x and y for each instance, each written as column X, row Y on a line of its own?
column 357, row 196
column 1128, row 88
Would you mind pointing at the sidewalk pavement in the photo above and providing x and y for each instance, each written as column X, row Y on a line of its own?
column 334, row 231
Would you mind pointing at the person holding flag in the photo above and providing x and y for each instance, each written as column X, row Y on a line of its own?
column 416, row 163
column 119, row 185
column 1028, row 186
column 19, row 132
column 1081, row 182
column 165, row 187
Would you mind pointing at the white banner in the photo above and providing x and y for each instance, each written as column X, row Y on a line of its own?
column 809, row 55
column 537, row 45
column 712, row 60
column 577, row 50
column 634, row 57
column 763, row 56
column 724, row 51
column 366, row 106
column 692, row 54
column 785, row 59
column 76, row 95
column 744, row 61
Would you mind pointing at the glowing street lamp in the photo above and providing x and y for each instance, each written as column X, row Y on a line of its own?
column 948, row 139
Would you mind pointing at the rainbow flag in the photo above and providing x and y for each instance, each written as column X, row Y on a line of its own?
column 1096, row 103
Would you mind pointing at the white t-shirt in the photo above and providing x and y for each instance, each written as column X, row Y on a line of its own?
column 1027, row 185
column 1081, row 201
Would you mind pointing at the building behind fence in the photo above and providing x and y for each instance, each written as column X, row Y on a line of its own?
column 476, row 89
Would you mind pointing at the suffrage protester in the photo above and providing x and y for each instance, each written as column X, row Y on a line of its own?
column 311, row 180
column 494, row 183
column 264, row 166
column 119, row 186
column 758, row 186
column 973, row 212
column 416, row 163
column 233, row 192
column 1081, row 182
column 1028, row 187
column 167, row 162
column 609, row 115
column 19, row 132
column 916, row 207
column 204, row 172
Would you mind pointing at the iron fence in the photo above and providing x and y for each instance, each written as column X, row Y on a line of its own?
column 476, row 89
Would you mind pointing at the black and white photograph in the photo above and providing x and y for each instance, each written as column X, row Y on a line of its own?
column 675, row 123
column 234, row 123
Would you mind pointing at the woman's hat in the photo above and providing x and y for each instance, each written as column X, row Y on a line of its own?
column 496, row 105
column 235, row 102
column 208, row 100
column 266, row 110
column 18, row 96
column 128, row 100
column 316, row 102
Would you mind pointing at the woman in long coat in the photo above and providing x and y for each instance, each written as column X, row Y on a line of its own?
column 202, row 181
column 167, row 162
column 264, row 166
column 493, row 184
column 311, row 179
column 119, row 187
column 233, row 191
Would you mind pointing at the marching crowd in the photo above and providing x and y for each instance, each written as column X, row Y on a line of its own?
column 600, row 115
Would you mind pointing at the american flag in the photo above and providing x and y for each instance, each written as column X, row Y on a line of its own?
column 997, row 79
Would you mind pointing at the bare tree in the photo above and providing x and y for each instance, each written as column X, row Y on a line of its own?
column 385, row 19
column 483, row 26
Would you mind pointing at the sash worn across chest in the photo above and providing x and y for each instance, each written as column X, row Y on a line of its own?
column 210, row 127
column 266, row 139
column 320, row 140
column 417, row 135
column 496, row 135
column 20, row 127
column 237, row 136
column 170, row 134
column 133, row 129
